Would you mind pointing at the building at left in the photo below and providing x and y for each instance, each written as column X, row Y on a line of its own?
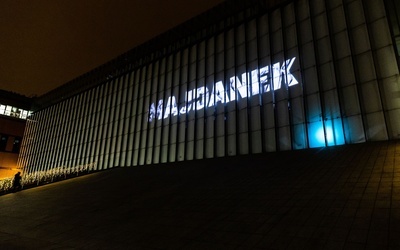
column 14, row 110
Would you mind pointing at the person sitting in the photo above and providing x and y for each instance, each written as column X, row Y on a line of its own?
column 17, row 182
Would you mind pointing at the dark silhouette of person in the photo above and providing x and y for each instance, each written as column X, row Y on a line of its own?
column 17, row 182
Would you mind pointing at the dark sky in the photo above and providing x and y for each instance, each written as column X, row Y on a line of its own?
column 46, row 43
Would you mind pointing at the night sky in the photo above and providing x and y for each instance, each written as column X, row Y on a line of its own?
column 46, row 43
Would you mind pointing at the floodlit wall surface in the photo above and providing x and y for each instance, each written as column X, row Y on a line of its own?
column 310, row 73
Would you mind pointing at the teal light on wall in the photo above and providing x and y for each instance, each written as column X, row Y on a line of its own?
column 330, row 136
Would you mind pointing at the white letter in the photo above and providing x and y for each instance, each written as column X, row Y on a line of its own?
column 242, row 86
column 235, row 84
column 174, row 109
column 152, row 112
column 289, row 79
column 188, row 105
column 171, row 107
column 159, row 109
column 276, row 72
column 201, row 97
column 232, row 88
column 264, row 71
column 218, row 94
column 255, row 85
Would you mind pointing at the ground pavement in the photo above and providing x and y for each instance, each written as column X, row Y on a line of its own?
column 344, row 197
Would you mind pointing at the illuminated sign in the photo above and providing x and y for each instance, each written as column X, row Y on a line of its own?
column 248, row 85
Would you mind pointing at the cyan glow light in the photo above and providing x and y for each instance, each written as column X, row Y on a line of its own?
column 321, row 136
column 331, row 136
column 316, row 135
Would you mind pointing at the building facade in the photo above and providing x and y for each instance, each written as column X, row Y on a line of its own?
column 243, row 78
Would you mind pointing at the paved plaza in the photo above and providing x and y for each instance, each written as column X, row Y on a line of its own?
column 344, row 197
